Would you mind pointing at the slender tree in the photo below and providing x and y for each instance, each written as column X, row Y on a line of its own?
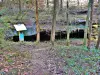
column 86, row 30
column 54, row 23
column 98, row 42
column 58, row 7
column 47, row 3
column 61, row 5
column 20, row 9
column 67, row 19
column 37, row 22
column 78, row 3
column 90, row 22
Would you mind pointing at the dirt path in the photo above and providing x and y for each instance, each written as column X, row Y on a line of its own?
column 45, row 60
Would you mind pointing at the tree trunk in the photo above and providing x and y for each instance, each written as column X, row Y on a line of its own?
column 20, row 10
column 47, row 3
column 57, row 7
column 61, row 5
column 90, row 22
column 37, row 22
column 86, row 26
column 67, row 19
column 98, row 42
column 54, row 23
column 86, row 30
column 78, row 3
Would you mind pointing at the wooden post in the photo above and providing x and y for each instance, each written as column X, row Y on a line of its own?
column 19, row 35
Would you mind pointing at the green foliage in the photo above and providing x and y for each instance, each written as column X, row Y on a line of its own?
column 3, row 27
column 85, row 48
column 3, row 10
column 80, row 59
column 10, row 61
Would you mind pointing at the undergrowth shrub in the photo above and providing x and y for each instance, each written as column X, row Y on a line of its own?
column 80, row 60
column 3, row 28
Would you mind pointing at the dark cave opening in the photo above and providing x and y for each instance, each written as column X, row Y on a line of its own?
column 45, row 36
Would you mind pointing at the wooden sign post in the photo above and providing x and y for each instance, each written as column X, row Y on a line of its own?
column 20, row 28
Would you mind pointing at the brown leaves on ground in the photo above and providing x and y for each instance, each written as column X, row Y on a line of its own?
column 13, row 63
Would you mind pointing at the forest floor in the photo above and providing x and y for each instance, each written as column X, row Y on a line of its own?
column 28, row 58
